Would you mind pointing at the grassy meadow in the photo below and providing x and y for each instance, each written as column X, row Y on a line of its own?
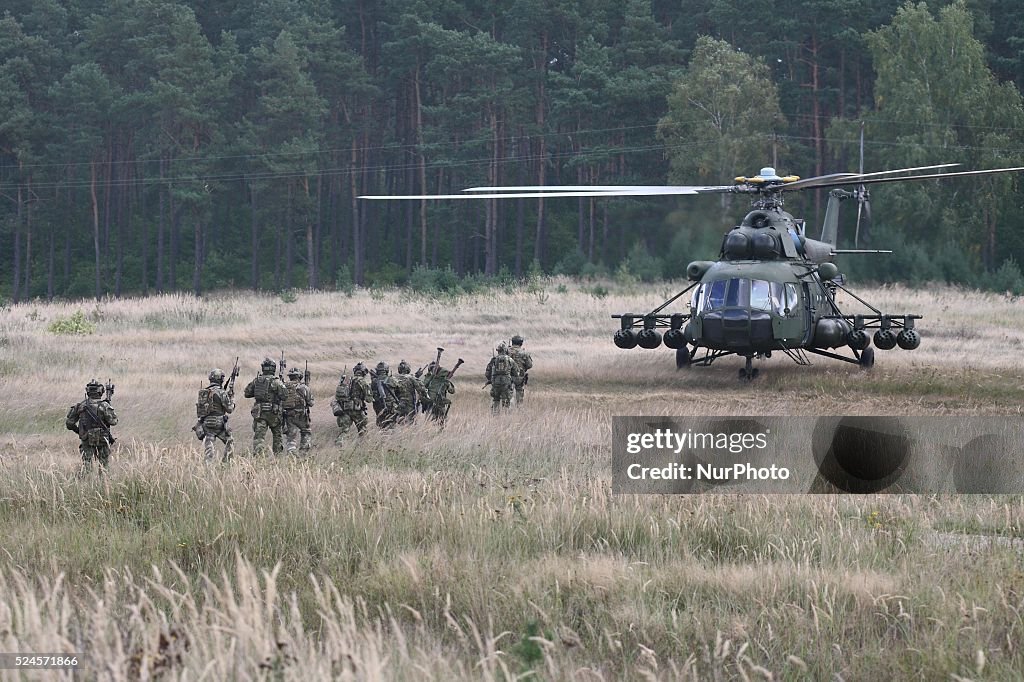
column 493, row 549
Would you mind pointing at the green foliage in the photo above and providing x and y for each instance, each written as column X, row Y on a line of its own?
column 343, row 281
column 572, row 264
column 434, row 281
column 245, row 129
column 290, row 295
column 1007, row 278
column 722, row 113
column 528, row 650
column 74, row 325
column 642, row 265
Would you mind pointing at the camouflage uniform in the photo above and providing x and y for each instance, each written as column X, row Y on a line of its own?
column 438, row 386
column 384, row 391
column 409, row 391
column 349, row 404
column 296, row 406
column 92, row 419
column 501, row 371
column 269, row 392
column 525, row 364
column 212, row 408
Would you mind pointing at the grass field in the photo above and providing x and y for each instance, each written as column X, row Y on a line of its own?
column 493, row 549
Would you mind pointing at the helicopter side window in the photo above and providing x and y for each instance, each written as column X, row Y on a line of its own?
column 716, row 294
column 760, row 295
column 697, row 298
column 792, row 298
column 778, row 293
column 739, row 292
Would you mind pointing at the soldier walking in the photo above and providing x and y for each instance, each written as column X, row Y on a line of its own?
column 92, row 419
column 438, row 386
column 349, row 404
column 384, row 389
column 525, row 363
column 296, row 406
column 269, row 392
column 213, row 406
column 501, row 372
column 409, row 391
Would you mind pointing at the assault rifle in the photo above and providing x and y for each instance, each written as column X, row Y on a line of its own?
column 305, row 374
column 281, row 367
column 230, row 385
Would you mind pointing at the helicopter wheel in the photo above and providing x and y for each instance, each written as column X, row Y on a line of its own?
column 683, row 359
column 867, row 358
column 749, row 372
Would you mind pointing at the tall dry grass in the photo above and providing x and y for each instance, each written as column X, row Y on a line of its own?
column 494, row 548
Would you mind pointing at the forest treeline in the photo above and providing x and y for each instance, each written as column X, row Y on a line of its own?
column 160, row 145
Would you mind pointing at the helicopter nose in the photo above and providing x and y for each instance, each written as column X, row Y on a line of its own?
column 737, row 328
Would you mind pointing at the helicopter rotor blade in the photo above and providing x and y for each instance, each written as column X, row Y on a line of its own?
column 929, row 176
column 590, row 189
column 556, row 192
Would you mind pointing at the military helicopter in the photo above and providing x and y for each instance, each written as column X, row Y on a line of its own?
column 773, row 288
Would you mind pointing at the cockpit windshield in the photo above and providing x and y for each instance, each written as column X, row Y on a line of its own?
column 780, row 298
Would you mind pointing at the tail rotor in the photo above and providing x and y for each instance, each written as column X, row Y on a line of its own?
column 863, row 199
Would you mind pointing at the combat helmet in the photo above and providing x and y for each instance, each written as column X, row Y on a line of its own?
column 268, row 366
column 382, row 368
column 94, row 389
column 517, row 340
column 502, row 349
column 404, row 368
column 359, row 370
column 294, row 372
column 216, row 376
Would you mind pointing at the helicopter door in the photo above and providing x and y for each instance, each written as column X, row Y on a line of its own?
column 789, row 324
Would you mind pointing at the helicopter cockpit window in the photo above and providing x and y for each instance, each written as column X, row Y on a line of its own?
column 760, row 295
column 739, row 293
column 695, row 298
column 715, row 293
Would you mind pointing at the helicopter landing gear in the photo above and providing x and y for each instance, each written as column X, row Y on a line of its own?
column 683, row 358
column 749, row 372
column 867, row 358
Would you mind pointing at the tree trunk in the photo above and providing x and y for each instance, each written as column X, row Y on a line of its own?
column 51, row 258
column 357, row 240
column 254, row 239
column 16, row 283
column 95, row 225
column 197, row 261
column 520, row 207
column 27, row 286
column 160, row 231
column 422, row 165
column 310, row 243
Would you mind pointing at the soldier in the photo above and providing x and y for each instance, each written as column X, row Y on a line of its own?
column 438, row 386
column 384, row 390
column 501, row 372
column 410, row 392
column 212, row 408
column 525, row 364
column 349, row 404
column 296, row 405
column 269, row 392
column 92, row 419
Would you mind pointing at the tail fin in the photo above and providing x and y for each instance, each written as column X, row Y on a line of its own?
column 830, row 228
